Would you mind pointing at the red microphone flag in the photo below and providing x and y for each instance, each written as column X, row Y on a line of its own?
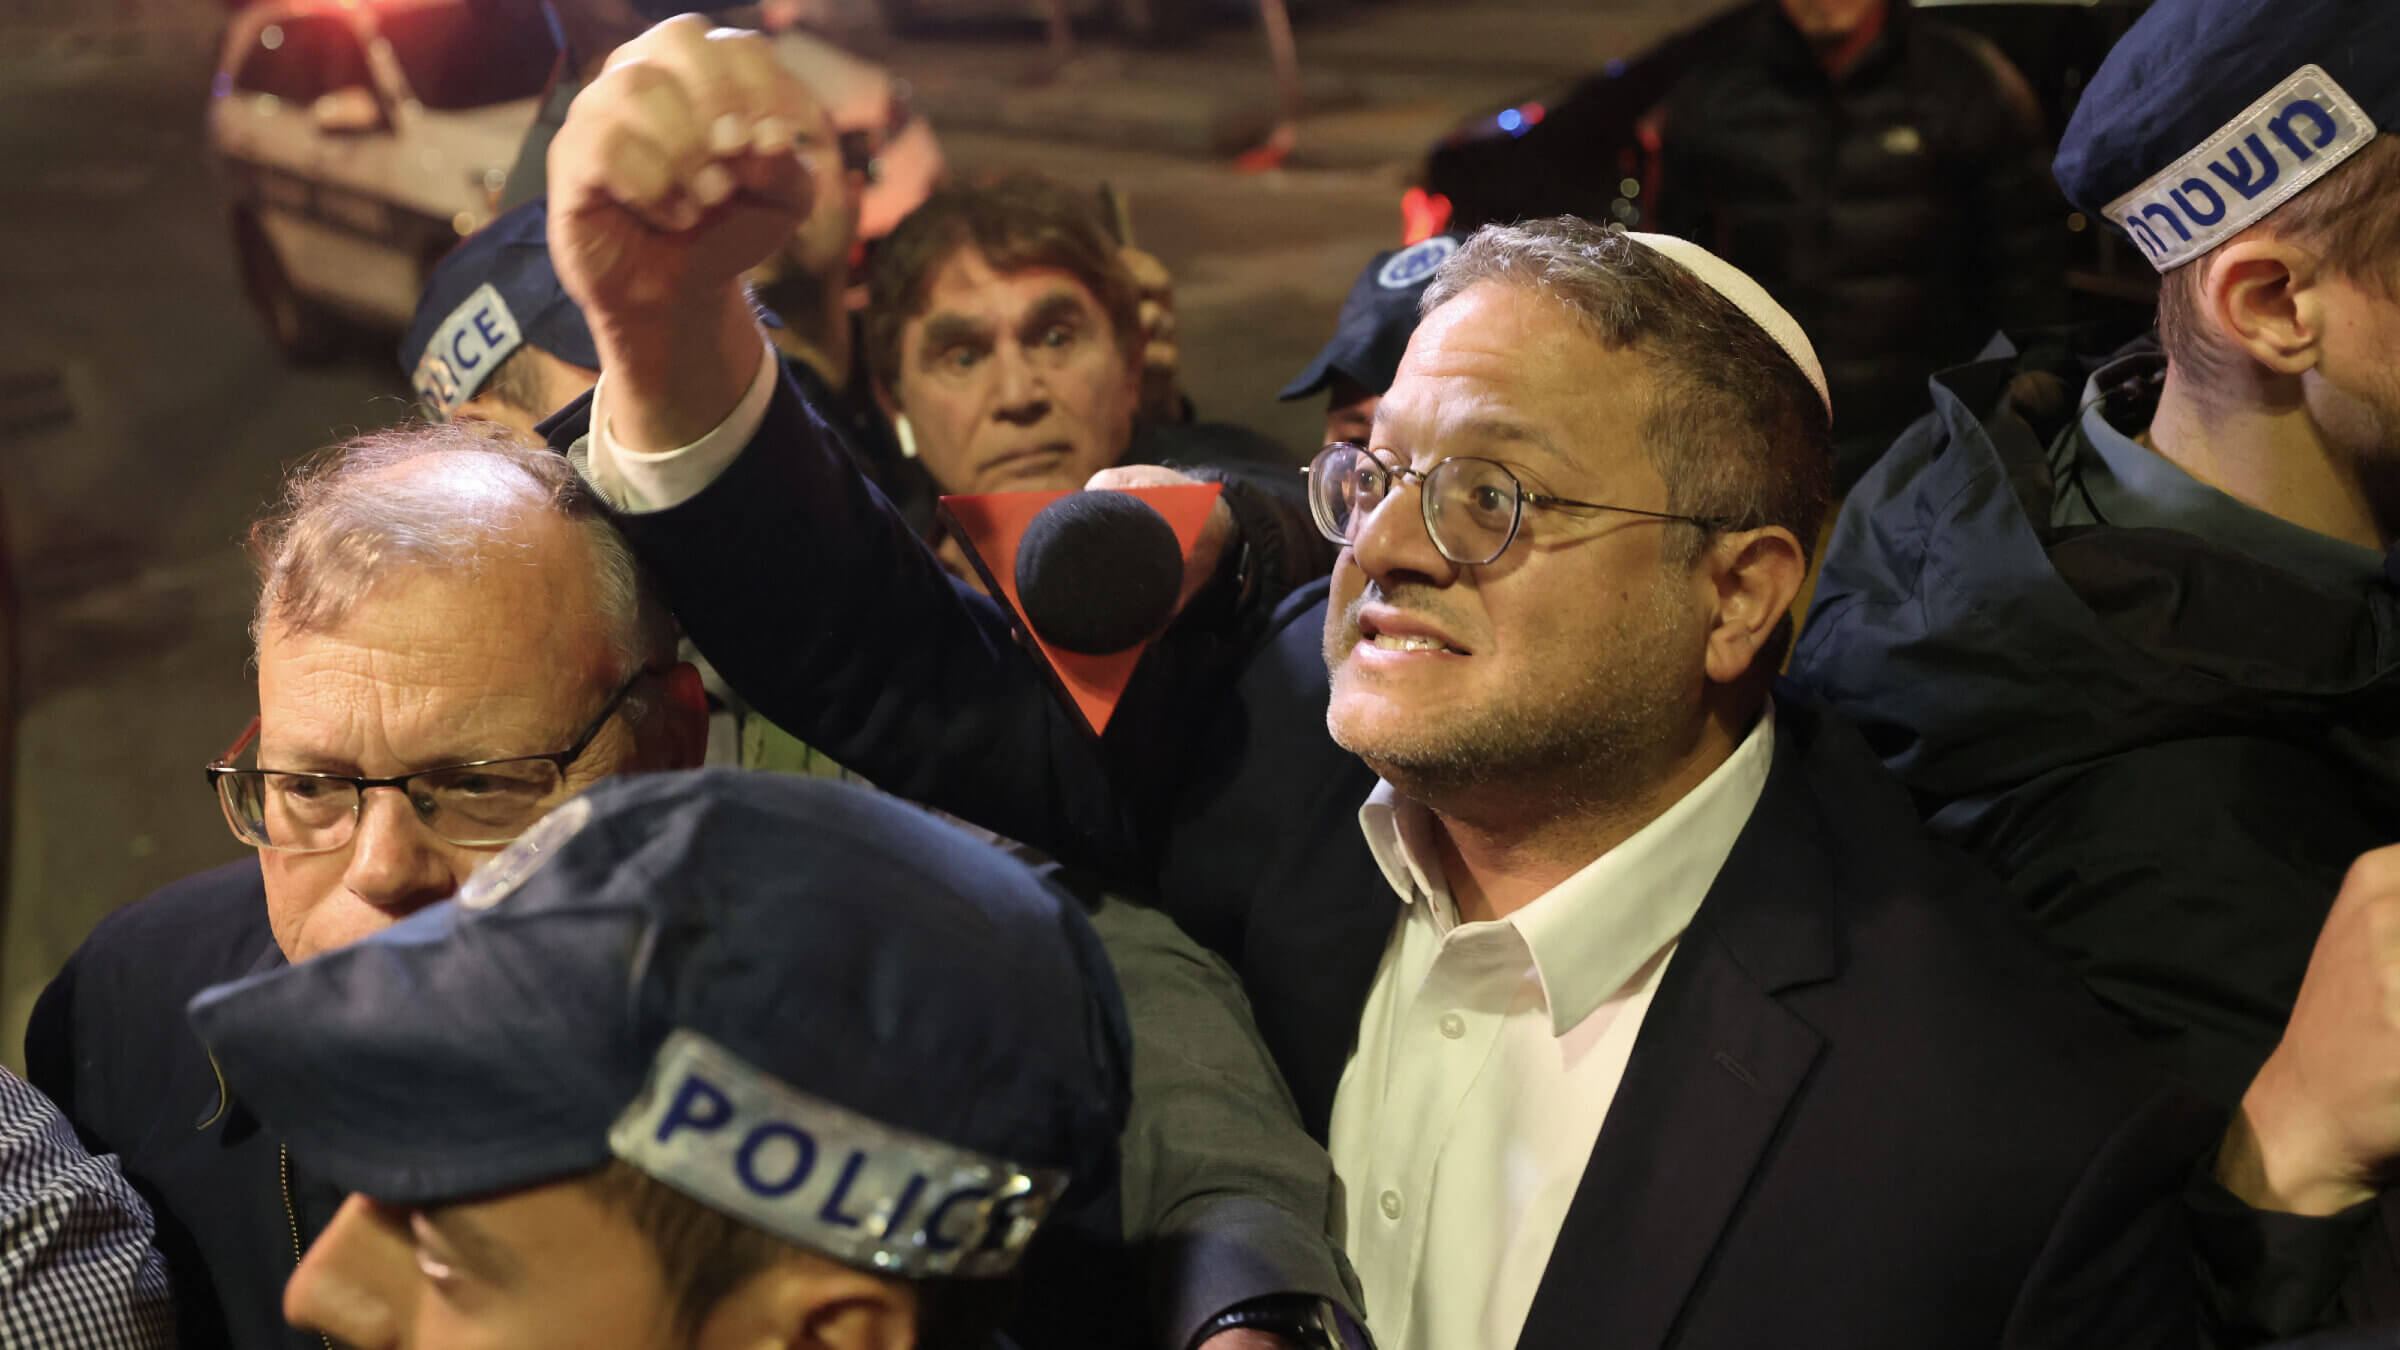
column 991, row 525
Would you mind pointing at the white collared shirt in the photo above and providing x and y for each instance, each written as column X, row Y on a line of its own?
column 1488, row 1054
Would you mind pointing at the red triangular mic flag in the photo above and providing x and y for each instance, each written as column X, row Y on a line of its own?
column 991, row 525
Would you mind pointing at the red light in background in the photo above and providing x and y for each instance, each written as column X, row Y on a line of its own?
column 1422, row 215
column 1271, row 153
column 1534, row 113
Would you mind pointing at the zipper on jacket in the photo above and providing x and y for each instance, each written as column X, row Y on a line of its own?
column 291, row 1212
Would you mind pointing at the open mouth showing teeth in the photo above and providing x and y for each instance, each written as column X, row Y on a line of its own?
column 1393, row 643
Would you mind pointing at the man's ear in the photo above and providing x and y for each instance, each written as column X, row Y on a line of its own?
column 1755, row 575
column 804, row 1302
column 2261, row 295
column 682, row 722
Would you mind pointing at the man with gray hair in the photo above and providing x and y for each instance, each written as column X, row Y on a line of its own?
column 1634, row 1003
column 443, row 613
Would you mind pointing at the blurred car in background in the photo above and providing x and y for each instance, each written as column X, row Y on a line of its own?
column 1578, row 148
column 359, row 139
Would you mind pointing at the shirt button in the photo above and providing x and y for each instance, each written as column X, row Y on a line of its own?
column 1453, row 1025
column 1390, row 1203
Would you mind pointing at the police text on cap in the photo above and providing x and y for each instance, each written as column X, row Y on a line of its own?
column 2295, row 134
column 478, row 335
column 746, row 1144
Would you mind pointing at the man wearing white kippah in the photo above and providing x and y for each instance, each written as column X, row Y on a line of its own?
column 1633, row 1004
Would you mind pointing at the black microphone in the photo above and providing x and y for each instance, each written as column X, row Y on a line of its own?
column 1098, row 572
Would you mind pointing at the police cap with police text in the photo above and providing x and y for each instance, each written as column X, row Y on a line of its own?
column 2209, row 114
column 1377, row 319
column 811, row 1007
column 493, row 293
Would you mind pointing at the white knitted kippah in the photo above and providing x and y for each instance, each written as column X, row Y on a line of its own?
column 1750, row 298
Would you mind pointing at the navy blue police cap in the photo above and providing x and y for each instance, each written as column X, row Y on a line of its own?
column 1377, row 319
column 811, row 1007
column 489, row 296
column 2209, row 114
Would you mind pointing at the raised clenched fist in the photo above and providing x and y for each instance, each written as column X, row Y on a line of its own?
column 675, row 170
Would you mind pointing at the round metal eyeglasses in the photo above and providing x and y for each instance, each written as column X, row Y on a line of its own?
column 1473, row 507
column 482, row 804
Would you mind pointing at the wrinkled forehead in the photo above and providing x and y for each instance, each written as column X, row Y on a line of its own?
column 463, row 622
column 967, row 288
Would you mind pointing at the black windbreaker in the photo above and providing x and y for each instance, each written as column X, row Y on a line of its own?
column 2171, row 751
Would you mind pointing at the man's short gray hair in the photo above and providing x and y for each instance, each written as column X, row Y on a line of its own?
column 1733, row 427
column 350, row 517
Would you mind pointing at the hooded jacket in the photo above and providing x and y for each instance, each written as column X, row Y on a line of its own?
column 2170, row 747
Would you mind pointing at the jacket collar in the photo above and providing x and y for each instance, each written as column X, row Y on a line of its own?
column 1592, row 932
column 2122, row 483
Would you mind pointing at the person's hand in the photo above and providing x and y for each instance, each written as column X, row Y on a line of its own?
column 2321, row 1120
column 1162, row 386
column 674, row 172
column 1216, row 535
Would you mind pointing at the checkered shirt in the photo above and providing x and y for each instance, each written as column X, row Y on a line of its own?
column 77, row 1268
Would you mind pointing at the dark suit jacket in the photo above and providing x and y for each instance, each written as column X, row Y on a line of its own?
column 1865, row 1109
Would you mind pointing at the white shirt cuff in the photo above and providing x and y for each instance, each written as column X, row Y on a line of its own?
column 632, row 481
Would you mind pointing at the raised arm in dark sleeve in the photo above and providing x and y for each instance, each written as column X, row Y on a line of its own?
column 824, row 612
column 818, row 606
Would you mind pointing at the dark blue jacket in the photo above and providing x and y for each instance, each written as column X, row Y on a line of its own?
column 2169, row 750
